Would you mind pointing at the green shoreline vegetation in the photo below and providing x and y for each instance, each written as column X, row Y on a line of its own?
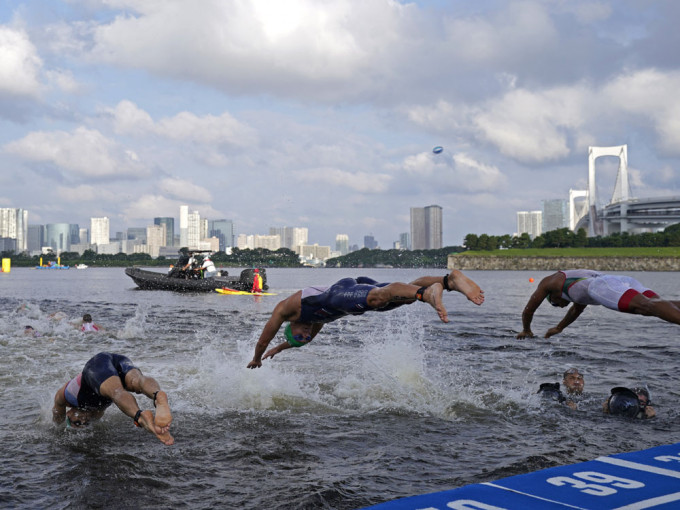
column 659, row 251
column 557, row 243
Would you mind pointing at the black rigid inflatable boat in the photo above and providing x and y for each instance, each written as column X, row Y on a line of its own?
column 154, row 280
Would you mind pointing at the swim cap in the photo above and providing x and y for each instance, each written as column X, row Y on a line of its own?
column 623, row 402
column 295, row 340
column 551, row 390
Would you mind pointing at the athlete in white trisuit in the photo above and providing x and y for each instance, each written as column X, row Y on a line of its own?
column 584, row 287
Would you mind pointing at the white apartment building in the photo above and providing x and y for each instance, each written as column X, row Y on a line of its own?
column 99, row 231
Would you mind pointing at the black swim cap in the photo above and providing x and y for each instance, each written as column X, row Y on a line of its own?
column 624, row 402
column 551, row 390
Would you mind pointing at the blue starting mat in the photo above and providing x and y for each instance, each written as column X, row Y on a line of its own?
column 629, row 481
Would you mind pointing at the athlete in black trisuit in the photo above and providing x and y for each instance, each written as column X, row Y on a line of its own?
column 309, row 309
column 108, row 378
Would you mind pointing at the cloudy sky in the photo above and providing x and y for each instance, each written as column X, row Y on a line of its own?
column 324, row 113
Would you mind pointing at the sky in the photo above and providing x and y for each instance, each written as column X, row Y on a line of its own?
column 324, row 113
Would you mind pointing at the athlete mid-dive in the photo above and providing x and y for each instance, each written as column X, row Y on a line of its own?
column 584, row 287
column 309, row 309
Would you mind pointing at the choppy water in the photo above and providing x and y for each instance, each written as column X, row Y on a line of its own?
column 377, row 407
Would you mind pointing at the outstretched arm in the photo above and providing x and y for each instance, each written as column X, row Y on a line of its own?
column 543, row 289
column 285, row 310
column 572, row 314
column 59, row 408
column 285, row 345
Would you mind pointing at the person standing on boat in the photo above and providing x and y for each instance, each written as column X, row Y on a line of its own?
column 309, row 309
column 584, row 287
column 109, row 378
column 208, row 268
column 257, row 282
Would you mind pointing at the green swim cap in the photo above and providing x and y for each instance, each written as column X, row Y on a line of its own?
column 289, row 337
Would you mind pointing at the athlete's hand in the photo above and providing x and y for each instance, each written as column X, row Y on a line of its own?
column 553, row 331
column 527, row 333
column 254, row 364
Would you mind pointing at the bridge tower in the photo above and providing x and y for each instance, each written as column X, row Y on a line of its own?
column 596, row 226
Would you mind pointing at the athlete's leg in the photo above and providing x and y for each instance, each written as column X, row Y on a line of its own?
column 457, row 281
column 405, row 293
column 656, row 307
column 139, row 383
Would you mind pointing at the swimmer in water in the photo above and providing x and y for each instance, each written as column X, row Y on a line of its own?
column 583, row 287
column 109, row 378
column 309, row 309
column 87, row 326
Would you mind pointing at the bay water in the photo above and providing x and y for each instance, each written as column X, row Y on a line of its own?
column 377, row 407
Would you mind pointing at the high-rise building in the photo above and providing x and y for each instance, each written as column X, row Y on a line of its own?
column 100, row 231
column 529, row 222
column 84, row 236
column 291, row 237
column 183, row 226
column 342, row 244
column 169, row 229
column 14, row 225
column 194, row 230
column 222, row 230
column 57, row 236
column 138, row 234
column 555, row 214
column 74, row 233
column 405, row 241
column 36, row 238
column 426, row 228
column 370, row 242
column 155, row 238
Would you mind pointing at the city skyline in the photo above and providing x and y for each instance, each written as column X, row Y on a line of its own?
column 325, row 114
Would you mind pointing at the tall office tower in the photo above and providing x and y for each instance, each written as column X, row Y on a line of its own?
column 342, row 244
column 84, row 236
column 194, row 230
column 426, row 228
column 529, row 222
column 74, row 233
column 183, row 226
column 405, row 241
column 203, row 229
column 100, row 230
column 36, row 238
column 57, row 236
column 155, row 238
column 169, row 229
column 222, row 230
column 370, row 242
column 291, row 237
column 555, row 214
column 14, row 225
column 138, row 234
column 298, row 236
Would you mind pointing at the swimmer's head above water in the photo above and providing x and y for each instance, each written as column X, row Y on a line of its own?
column 296, row 340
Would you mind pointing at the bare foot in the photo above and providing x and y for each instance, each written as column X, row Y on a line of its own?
column 163, row 416
column 146, row 420
column 433, row 297
column 458, row 281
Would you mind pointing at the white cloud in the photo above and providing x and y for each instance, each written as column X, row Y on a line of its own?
column 653, row 95
column 148, row 206
column 20, row 64
column 364, row 182
column 85, row 193
column 185, row 190
column 83, row 152
column 248, row 46
column 187, row 127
